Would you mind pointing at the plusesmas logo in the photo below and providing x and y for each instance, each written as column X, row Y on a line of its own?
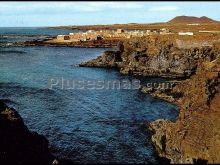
column 72, row 84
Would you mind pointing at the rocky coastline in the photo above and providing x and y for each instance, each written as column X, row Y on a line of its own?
column 18, row 145
column 195, row 136
column 80, row 44
column 153, row 56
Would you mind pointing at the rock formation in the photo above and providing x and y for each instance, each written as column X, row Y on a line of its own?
column 195, row 136
column 153, row 56
column 17, row 144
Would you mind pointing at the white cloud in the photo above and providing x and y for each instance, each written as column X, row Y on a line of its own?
column 164, row 8
column 66, row 7
column 116, row 5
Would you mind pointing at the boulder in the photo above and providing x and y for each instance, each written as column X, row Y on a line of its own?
column 18, row 145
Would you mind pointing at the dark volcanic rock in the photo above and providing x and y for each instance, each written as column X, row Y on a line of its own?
column 17, row 144
column 152, row 57
column 110, row 59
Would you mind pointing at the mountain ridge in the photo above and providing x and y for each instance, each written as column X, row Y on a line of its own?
column 192, row 19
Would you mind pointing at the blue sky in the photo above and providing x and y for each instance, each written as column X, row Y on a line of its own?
column 15, row 14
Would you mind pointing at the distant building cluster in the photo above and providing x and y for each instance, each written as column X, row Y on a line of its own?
column 110, row 34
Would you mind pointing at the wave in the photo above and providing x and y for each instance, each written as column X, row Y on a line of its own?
column 9, row 101
column 8, row 90
column 12, row 52
column 23, row 35
column 19, row 87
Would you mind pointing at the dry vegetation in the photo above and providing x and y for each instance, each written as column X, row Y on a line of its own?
column 173, row 27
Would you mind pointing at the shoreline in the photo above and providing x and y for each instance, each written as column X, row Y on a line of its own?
column 18, row 144
column 194, row 96
column 89, row 44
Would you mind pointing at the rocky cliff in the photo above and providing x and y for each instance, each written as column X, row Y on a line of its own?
column 195, row 136
column 153, row 57
column 18, row 145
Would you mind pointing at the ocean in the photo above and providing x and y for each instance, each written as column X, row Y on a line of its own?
column 83, row 125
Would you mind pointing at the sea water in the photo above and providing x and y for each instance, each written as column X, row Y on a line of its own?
column 83, row 125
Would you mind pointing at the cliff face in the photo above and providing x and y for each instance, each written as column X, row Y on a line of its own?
column 195, row 136
column 153, row 57
column 17, row 144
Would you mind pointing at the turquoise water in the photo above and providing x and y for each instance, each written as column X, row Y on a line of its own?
column 102, row 126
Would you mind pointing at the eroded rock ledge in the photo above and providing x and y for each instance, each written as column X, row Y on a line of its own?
column 153, row 57
column 17, row 144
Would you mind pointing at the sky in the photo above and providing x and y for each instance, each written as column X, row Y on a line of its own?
column 35, row 14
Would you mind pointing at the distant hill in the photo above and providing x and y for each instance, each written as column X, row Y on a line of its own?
column 191, row 19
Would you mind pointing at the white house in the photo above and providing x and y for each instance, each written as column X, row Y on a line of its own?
column 193, row 24
column 185, row 33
